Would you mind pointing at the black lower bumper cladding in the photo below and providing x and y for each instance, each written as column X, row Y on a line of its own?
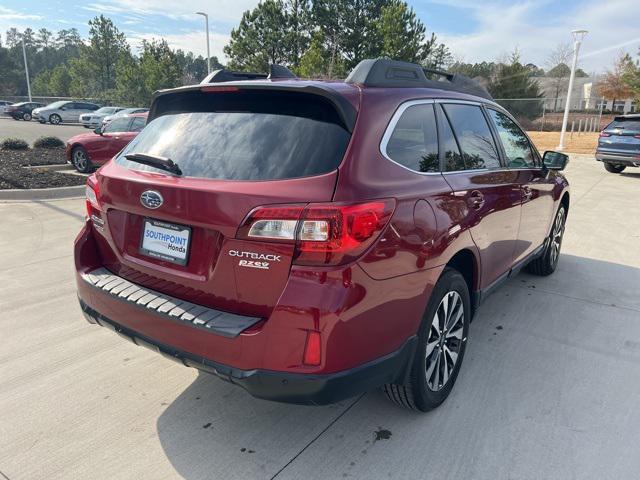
column 279, row 386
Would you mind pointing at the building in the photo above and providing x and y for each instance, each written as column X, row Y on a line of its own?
column 583, row 95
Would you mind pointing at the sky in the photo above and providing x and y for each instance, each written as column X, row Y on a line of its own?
column 474, row 30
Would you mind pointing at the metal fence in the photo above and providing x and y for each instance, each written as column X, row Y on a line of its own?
column 545, row 114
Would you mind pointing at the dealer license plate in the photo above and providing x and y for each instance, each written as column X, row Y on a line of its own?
column 165, row 241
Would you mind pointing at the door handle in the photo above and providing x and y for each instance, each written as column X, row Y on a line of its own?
column 476, row 200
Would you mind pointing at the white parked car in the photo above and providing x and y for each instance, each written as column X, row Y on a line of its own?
column 126, row 111
column 63, row 111
column 94, row 119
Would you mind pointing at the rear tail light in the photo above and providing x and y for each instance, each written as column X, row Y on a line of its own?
column 323, row 233
column 636, row 136
column 603, row 134
column 92, row 194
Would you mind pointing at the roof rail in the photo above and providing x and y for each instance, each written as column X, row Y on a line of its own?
column 224, row 75
column 384, row 72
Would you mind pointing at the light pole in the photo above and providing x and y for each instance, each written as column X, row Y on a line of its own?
column 206, row 20
column 26, row 68
column 578, row 35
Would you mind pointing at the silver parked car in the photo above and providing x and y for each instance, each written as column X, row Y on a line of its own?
column 63, row 111
column 3, row 106
column 126, row 111
column 94, row 119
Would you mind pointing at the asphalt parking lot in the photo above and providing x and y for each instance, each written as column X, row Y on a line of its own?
column 30, row 131
column 549, row 389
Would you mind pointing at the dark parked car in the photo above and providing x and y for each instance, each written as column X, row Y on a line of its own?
column 90, row 150
column 310, row 240
column 22, row 110
column 619, row 144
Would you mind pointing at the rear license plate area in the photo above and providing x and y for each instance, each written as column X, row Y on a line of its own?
column 165, row 241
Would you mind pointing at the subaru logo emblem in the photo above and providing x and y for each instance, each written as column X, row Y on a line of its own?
column 151, row 199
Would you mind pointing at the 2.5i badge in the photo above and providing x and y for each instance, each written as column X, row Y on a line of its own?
column 253, row 259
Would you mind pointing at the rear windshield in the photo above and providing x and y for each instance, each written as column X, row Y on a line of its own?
column 246, row 135
column 625, row 124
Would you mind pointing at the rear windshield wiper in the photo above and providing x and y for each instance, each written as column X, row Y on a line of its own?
column 155, row 161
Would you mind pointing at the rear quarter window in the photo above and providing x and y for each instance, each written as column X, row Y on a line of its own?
column 413, row 142
column 246, row 135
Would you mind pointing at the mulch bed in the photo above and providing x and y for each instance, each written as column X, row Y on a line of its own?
column 12, row 175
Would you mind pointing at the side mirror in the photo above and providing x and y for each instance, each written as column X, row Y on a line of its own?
column 98, row 131
column 555, row 160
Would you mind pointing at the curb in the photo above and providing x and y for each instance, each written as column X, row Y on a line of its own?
column 43, row 193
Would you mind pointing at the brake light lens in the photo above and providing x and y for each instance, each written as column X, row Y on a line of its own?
column 603, row 134
column 636, row 136
column 92, row 194
column 323, row 233
column 312, row 349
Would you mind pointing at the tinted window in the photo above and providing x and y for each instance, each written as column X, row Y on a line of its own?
column 452, row 157
column 414, row 141
column 516, row 144
column 118, row 125
column 246, row 136
column 473, row 135
column 625, row 124
column 137, row 124
column 69, row 106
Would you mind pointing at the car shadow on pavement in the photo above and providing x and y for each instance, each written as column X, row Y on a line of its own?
column 217, row 430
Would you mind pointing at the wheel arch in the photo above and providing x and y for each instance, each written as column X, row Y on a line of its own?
column 467, row 263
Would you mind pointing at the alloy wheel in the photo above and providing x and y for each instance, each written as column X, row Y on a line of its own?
column 556, row 236
column 80, row 159
column 445, row 341
column 55, row 119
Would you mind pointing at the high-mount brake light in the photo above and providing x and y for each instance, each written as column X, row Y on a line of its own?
column 323, row 233
column 219, row 89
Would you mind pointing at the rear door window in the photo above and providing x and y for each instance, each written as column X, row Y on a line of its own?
column 118, row 125
column 246, row 135
column 474, row 137
column 515, row 143
column 414, row 140
column 137, row 124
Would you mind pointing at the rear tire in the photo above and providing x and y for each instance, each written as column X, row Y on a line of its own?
column 442, row 340
column 546, row 263
column 80, row 160
column 613, row 167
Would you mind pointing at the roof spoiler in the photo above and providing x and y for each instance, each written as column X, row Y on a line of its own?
column 384, row 72
column 224, row 75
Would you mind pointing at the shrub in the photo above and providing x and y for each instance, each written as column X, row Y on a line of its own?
column 14, row 144
column 48, row 142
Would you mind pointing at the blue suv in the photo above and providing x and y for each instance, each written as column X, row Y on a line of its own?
column 619, row 144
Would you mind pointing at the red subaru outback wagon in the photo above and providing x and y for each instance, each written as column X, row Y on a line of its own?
column 311, row 240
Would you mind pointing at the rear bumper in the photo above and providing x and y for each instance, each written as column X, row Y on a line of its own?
column 366, row 328
column 626, row 159
column 281, row 386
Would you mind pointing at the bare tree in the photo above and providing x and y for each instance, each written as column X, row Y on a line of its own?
column 612, row 85
column 558, row 69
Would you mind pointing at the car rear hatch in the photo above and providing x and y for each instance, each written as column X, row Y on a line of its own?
column 237, row 149
column 622, row 136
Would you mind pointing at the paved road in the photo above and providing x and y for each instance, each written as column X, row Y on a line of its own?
column 29, row 131
column 550, row 386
